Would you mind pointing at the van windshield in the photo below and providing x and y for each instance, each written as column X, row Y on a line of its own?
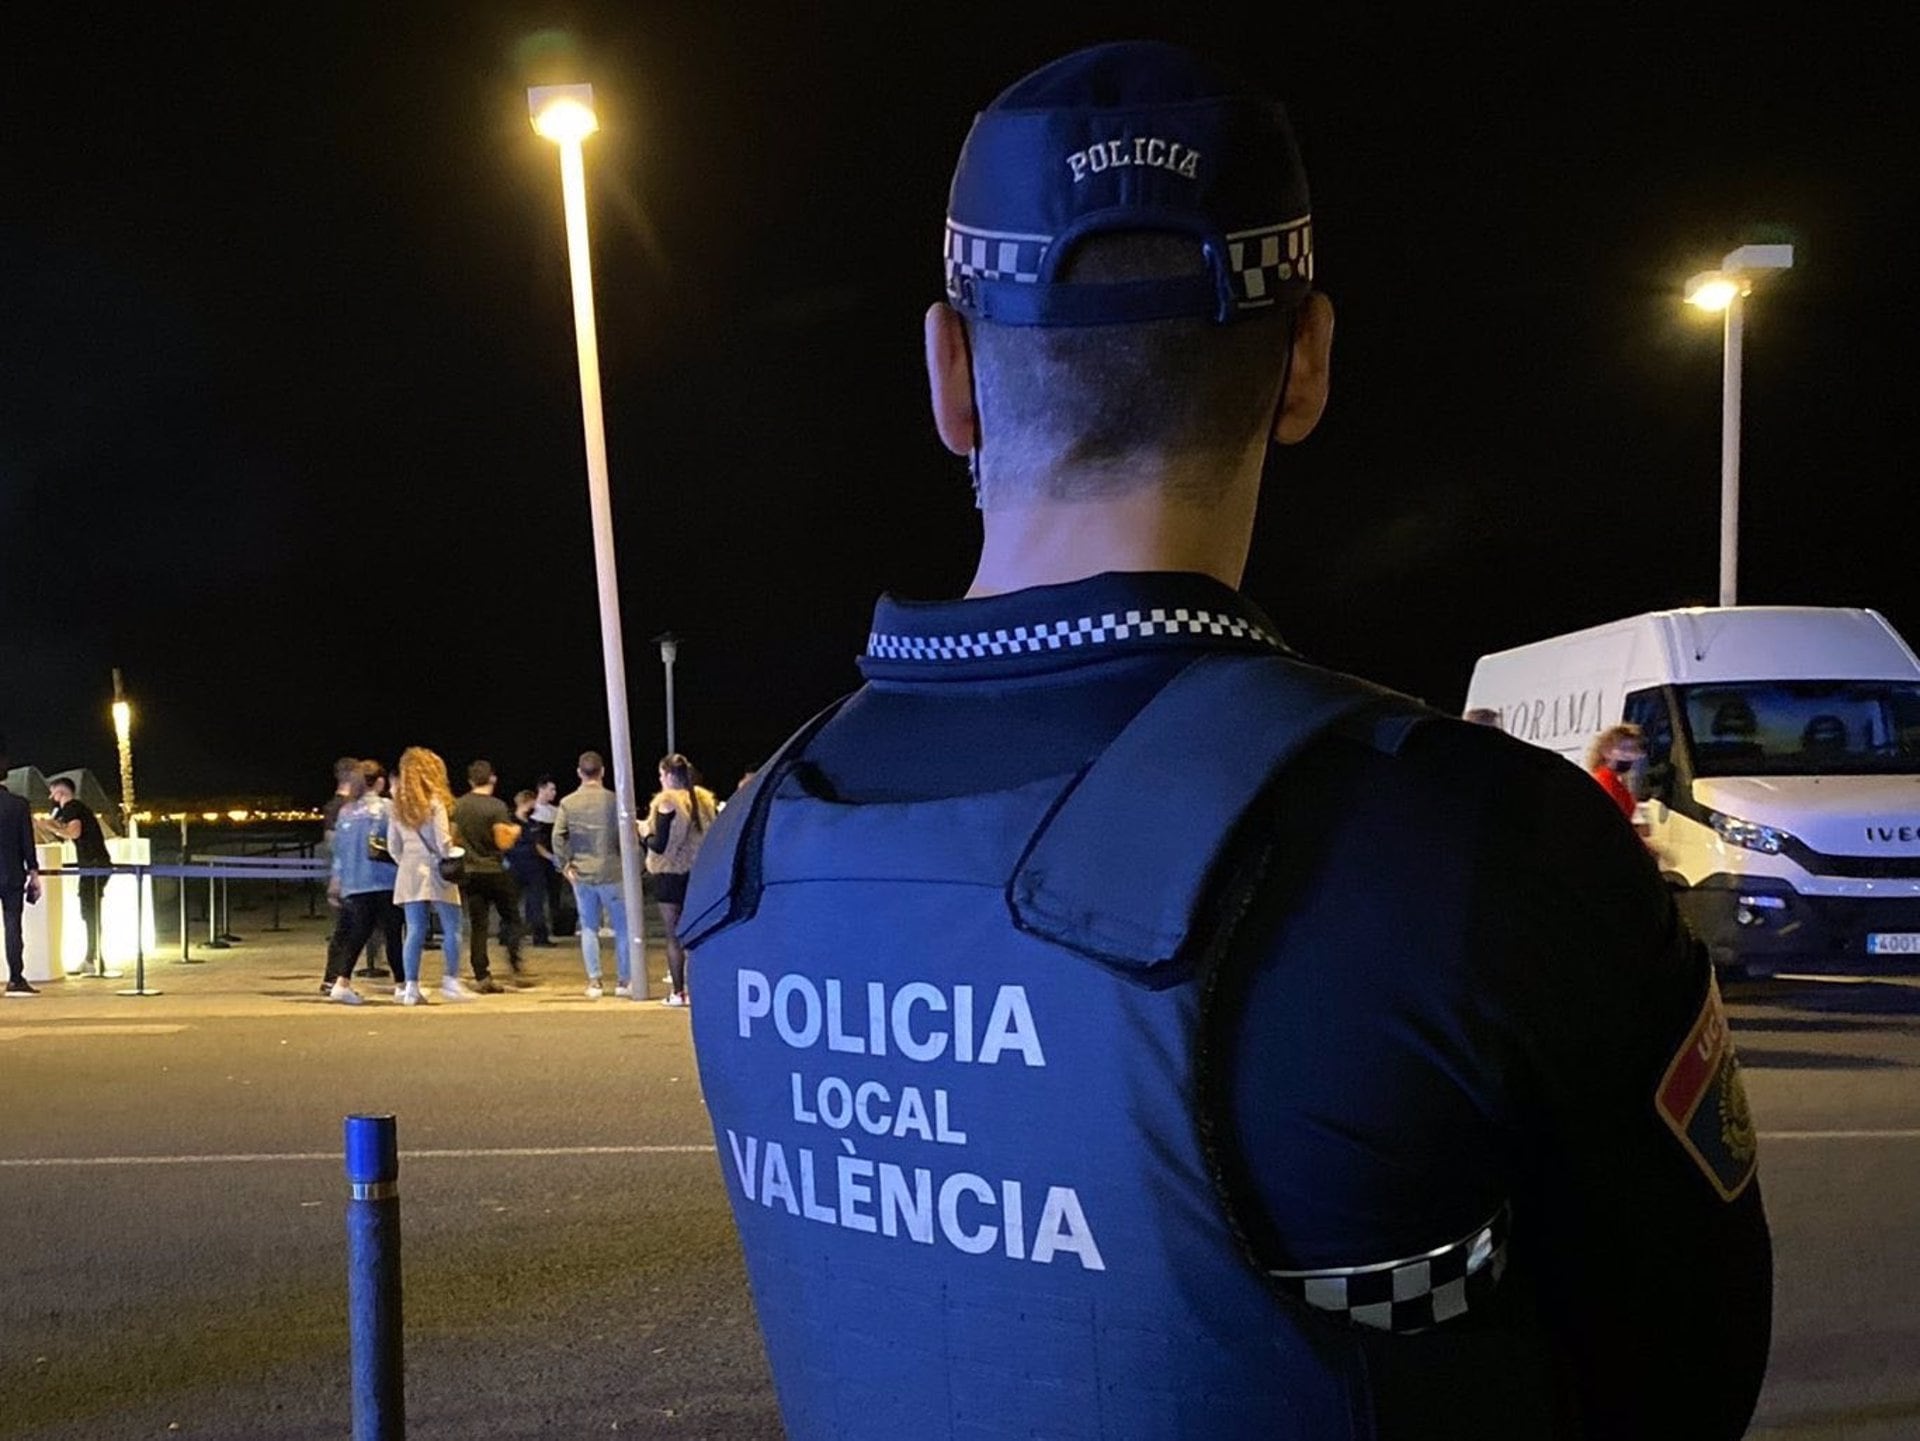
column 1804, row 727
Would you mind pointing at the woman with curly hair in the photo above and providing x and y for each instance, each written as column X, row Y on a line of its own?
column 420, row 836
column 1611, row 759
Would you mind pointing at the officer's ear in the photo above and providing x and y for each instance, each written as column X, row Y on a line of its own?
column 1306, row 394
column 950, row 379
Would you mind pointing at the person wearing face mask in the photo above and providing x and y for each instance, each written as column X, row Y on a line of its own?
column 1611, row 759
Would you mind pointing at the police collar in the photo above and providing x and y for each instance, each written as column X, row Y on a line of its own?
column 1049, row 627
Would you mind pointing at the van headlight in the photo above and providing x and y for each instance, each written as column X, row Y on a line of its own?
column 1749, row 834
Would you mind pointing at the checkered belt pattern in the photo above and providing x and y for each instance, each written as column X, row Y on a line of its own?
column 1064, row 634
column 1259, row 261
column 1413, row 1295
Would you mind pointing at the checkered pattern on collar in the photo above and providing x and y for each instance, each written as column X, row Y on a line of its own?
column 1415, row 1294
column 1048, row 626
column 1087, row 630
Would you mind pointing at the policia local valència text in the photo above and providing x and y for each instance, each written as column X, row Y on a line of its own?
column 834, row 1185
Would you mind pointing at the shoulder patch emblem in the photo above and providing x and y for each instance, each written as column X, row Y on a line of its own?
column 1704, row 1101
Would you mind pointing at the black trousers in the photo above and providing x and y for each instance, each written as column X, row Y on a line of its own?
column 533, row 904
column 495, row 889
column 360, row 916
column 13, row 904
column 91, row 889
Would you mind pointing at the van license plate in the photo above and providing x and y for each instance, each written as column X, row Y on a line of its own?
column 1894, row 943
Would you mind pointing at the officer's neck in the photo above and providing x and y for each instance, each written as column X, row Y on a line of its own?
column 1049, row 542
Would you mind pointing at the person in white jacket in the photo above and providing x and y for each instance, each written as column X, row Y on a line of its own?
column 420, row 836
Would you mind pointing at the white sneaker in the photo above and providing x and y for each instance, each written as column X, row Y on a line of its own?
column 623, row 991
column 674, row 998
column 410, row 994
column 594, row 992
column 455, row 989
column 344, row 993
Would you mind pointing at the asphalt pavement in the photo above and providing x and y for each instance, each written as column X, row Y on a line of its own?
column 172, row 1198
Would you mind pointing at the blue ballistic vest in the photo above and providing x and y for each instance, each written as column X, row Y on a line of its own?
column 949, row 1048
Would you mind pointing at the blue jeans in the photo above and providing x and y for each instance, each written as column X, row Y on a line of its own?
column 416, row 943
column 595, row 901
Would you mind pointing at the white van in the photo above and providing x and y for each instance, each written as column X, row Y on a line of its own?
column 1782, row 785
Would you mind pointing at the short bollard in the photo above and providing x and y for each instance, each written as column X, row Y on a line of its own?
column 373, row 1279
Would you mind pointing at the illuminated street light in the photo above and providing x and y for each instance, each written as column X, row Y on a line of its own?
column 564, row 114
column 1725, row 290
column 1710, row 290
column 123, row 734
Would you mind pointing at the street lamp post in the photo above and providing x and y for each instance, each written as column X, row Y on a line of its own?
column 564, row 114
column 669, row 652
column 1726, row 290
column 123, row 737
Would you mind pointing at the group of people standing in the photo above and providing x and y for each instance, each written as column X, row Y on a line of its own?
column 403, row 863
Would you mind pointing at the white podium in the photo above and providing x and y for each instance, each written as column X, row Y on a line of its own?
column 56, row 929
column 40, row 924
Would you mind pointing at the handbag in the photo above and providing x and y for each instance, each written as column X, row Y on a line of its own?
column 452, row 866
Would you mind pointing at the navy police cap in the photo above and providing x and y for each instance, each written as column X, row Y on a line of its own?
column 1134, row 136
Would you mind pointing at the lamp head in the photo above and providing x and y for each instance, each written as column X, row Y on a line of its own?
column 562, row 113
column 1717, row 289
column 1758, row 257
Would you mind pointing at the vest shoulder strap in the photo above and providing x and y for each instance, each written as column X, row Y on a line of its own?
column 1119, row 870
column 724, row 887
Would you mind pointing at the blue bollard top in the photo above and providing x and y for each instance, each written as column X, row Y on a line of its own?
column 373, row 1150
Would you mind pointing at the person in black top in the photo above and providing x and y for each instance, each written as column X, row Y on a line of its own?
column 19, row 878
column 1445, row 1002
column 486, row 828
column 538, row 883
column 75, row 821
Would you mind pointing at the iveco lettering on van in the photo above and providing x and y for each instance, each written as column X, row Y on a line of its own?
column 1781, row 792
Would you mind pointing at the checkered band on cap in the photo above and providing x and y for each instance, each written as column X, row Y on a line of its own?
column 1087, row 630
column 1133, row 136
column 1260, row 263
column 1416, row 1294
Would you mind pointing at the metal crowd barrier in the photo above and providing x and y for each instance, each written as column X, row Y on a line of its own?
column 217, row 870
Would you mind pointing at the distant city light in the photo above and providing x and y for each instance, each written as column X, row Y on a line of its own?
column 256, row 815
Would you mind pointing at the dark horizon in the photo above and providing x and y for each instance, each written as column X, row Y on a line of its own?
column 293, row 439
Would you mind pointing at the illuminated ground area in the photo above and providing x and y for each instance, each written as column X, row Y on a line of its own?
column 600, row 1292
column 570, row 1295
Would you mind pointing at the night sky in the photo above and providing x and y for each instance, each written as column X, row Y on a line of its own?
column 289, row 427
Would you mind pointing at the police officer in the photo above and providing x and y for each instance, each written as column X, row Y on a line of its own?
column 1115, row 1027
